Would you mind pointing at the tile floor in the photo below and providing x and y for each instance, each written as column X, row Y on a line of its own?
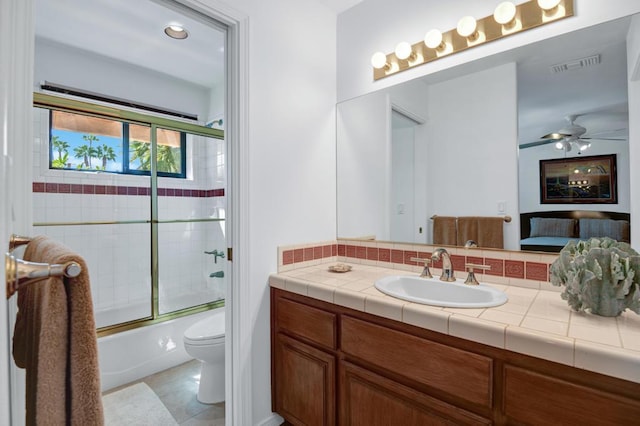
column 177, row 388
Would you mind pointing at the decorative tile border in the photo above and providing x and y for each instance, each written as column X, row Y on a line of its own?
column 307, row 253
column 517, row 267
column 73, row 188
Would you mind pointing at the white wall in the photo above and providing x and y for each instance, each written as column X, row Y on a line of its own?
column 363, row 164
column 364, row 161
column 401, row 208
column 88, row 71
column 475, row 115
column 378, row 25
column 292, row 168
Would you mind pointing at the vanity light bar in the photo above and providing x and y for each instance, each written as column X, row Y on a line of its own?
column 471, row 33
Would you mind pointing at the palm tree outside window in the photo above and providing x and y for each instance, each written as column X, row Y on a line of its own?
column 86, row 143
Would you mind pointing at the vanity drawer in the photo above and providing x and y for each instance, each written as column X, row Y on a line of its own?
column 457, row 372
column 306, row 322
column 535, row 398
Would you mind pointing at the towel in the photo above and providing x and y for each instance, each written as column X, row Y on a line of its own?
column 55, row 341
column 487, row 231
column 444, row 230
column 467, row 230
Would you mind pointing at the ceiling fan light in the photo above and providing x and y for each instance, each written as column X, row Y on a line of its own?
column 584, row 146
column 555, row 136
column 559, row 145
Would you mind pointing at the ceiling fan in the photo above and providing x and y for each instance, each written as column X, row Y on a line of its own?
column 571, row 135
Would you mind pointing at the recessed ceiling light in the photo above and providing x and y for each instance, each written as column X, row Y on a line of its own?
column 176, row 31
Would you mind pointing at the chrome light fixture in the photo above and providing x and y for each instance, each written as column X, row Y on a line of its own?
column 507, row 19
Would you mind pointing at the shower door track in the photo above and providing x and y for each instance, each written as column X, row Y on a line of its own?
column 125, row 222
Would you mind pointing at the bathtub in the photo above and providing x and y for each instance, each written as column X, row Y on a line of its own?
column 131, row 355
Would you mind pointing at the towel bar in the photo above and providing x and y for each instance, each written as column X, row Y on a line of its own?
column 16, row 241
column 505, row 218
column 19, row 273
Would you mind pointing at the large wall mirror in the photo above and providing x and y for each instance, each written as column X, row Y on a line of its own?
column 468, row 141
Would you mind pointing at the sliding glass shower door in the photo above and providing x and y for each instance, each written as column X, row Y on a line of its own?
column 142, row 199
column 192, row 247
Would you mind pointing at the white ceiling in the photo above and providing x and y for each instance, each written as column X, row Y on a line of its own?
column 597, row 93
column 340, row 5
column 135, row 35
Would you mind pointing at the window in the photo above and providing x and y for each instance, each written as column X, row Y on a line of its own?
column 86, row 143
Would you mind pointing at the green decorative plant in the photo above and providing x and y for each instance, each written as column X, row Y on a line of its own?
column 600, row 275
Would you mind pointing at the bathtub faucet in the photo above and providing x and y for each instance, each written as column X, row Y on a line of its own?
column 216, row 254
column 219, row 274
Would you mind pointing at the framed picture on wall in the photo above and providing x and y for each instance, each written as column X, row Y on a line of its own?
column 579, row 180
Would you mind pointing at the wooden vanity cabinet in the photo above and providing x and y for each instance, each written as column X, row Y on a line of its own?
column 303, row 362
column 332, row 365
column 535, row 398
column 305, row 377
column 369, row 399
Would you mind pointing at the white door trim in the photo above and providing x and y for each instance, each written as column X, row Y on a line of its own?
column 16, row 38
column 238, row 318
column 16, row 153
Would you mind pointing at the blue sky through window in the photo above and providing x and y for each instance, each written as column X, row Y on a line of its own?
column 75, row 139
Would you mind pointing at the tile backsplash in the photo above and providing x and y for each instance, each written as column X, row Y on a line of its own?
column 523, row 269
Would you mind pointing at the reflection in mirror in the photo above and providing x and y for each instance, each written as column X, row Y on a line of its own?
column 477, row 152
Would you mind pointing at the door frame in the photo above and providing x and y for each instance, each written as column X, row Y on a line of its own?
column 16, row 85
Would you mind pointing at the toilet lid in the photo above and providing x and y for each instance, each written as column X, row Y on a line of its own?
column 209, row 328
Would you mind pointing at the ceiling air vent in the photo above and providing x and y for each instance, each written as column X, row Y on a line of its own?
column 575, row 64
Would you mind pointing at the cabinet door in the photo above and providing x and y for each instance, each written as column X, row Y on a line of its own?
column 304, row 383
column 534, row 398
column 367, row 399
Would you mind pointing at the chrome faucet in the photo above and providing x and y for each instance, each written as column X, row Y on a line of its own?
column 447, row 267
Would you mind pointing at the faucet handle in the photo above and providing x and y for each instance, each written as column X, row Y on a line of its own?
column 426, row 273
column 470, row 244
column 471, row 278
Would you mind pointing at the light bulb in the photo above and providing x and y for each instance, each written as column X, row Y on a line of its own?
column 585, row 146
column 403, row 50
column 548, row 4
column 467, row 26
column 559, row 145
column 176, row 31
column 504, row 13
column 433, row 39
column 379, row 60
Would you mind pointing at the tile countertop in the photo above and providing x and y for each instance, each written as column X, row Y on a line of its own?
column 533, row 322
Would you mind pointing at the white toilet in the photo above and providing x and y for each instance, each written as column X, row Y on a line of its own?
column 204, row 341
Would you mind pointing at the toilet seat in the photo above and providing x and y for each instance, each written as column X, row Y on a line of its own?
column 208, row 331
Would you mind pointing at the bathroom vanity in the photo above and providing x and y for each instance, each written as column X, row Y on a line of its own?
column 333, row 364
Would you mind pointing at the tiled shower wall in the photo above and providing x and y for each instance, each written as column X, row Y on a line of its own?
column 118, row 256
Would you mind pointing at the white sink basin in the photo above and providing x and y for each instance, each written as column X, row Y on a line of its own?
column 432, row 291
